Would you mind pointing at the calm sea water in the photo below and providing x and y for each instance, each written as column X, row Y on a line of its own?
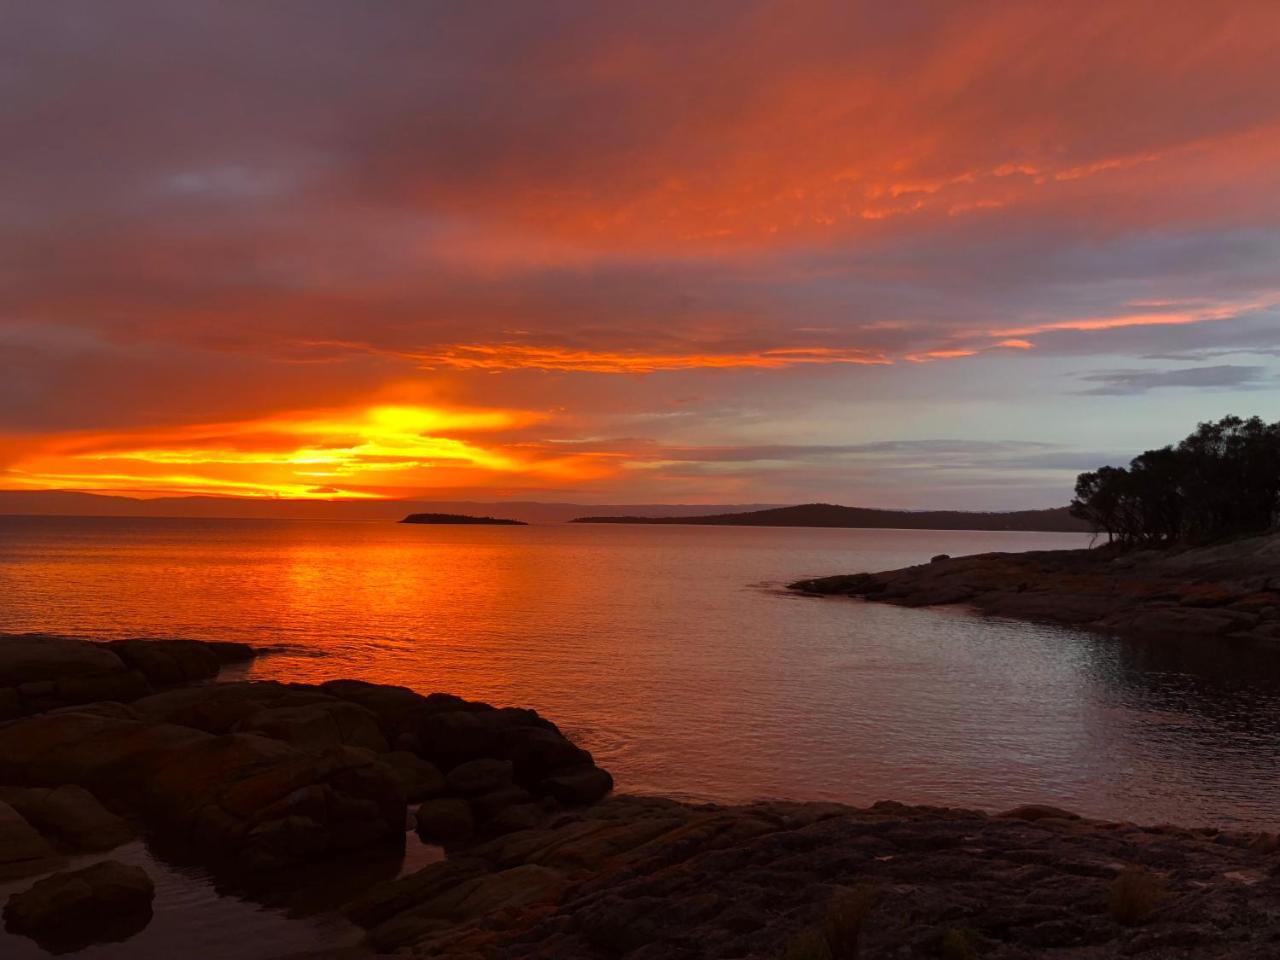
column 676, row 657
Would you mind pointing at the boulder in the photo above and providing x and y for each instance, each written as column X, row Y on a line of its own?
column 397, row 708
column 317, row 725
column 70, row 814
column 537, row 753
column 218, row 707
column 488, row 805
column 581, row 786
column 39, row 673
column 120, row 686
column 479, row 776
column 166, row 662
column 518, row 816
column 451, row 737
column 444, row 820
column 217, row 793
column 420, row 779
column 67, row 911
column 230, row 651
column 32, row 658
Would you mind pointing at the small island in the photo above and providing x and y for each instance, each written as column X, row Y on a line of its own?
column 461, row 518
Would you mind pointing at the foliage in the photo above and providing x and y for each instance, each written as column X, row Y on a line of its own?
column 841, row 931
column 1222, row 481
column 846, row 915
column 808, row 945
column 958, row 945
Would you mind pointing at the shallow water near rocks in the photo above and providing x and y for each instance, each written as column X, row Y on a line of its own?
column 196, row 916
column 675, row 655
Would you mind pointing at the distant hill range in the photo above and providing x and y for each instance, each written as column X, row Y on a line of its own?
column 1058, row 519
column 462, row 519
column 68, row 503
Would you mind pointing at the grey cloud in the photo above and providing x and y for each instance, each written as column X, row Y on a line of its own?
column 1130, row 382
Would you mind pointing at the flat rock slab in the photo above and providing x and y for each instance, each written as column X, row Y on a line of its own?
column 1230, row 590
column 647, row 878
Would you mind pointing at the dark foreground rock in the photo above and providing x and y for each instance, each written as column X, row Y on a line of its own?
column 647, row 878
column 40, row 673
column 256, row 775
column 1231, row 590
column 68, row 911
column 69, row 814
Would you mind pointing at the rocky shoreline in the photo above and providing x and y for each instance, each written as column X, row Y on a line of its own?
column 1228, row 591
column 270, row 785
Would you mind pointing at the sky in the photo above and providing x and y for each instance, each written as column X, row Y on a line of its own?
column 941, row 253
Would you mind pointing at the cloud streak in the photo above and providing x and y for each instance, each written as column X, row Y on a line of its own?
column 1130, row 382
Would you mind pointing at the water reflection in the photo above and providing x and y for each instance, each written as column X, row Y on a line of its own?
column 673, row 655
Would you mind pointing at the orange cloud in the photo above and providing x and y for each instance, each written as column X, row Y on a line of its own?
column 1175, row 315
column 520, row 356
column 952, row 354
column 383, row 450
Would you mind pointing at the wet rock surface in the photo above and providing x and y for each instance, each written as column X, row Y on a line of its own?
column 1225, row 591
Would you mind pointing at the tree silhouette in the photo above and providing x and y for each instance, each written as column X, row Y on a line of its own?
column 1222, row 481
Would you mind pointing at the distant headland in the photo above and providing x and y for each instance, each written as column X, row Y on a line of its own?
column 461, row 518
column 1193, row 549
column 1058, row 520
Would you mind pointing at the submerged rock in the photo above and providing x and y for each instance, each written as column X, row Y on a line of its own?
column 67, row 911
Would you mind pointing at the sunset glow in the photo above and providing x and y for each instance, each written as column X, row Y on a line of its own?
column 342, row 454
